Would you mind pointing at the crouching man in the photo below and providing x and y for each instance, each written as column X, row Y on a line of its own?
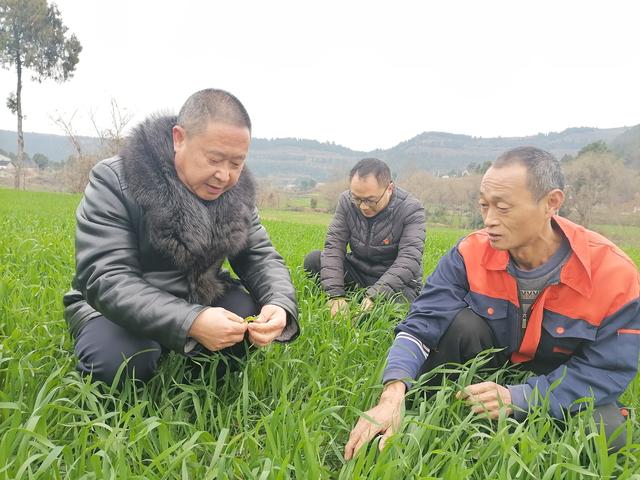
column 560, row 300
column 384, row 226
column 153, row 229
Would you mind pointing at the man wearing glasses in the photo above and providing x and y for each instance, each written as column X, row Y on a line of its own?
column 384, row 226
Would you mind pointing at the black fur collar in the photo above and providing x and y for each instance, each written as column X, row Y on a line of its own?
column 196, row 235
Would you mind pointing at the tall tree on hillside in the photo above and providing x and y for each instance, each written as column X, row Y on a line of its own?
column 33, row 37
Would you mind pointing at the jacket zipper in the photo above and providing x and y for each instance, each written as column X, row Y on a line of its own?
column 371, row 224
column 525, row 320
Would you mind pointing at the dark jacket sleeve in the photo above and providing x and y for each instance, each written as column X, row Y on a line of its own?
column 408, row 264
column 335, row 250
column 108, row 272
column 262, row 270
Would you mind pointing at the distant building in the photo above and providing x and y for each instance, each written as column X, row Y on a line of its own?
column 5, row 164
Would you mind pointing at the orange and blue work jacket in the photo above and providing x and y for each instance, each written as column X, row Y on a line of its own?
column 588, row 315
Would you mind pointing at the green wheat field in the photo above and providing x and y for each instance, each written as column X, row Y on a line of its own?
column 285, row 413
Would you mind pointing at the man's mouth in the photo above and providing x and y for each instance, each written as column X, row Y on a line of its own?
column 213, row 190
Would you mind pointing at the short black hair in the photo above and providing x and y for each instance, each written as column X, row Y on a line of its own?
column 544, row 172
column 372, row 166
column 209, row 105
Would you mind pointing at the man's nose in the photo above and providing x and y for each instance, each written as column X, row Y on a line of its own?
column 222, row 174
column 490, row 218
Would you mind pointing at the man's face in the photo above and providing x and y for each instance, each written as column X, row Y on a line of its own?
column 210, row 162
column 369, row 195
column 512, row 216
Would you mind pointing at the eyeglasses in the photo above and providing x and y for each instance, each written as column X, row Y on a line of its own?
column 369, row 203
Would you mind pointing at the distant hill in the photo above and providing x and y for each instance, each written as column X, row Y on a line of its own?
column 285, row 159
column 438, row 151
column 628, row 146
column 56, row 147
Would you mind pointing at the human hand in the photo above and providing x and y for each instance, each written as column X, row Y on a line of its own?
column 268, row 325
column 216, row 328
column 387, row 416
column 366, row 304
column 338, row 304
column 487, row 397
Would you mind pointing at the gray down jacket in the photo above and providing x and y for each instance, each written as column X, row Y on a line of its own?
column 386, row 249
column 149, row 252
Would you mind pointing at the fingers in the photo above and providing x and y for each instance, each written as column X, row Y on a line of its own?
column 354, row 439
column 491, row 406
column 261, row 318
column 263, row 334
column 232, row 316
column 477, row 389
column 235, row 328
column 363, row 432
column 268, row 327
column 483, row 397
column 260, row 340
column 268, row 312
column 486, row 398
column 231, row 339
column 384, row 438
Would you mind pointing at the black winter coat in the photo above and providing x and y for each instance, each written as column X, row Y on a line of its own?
column 386, row 249
column 149, row 252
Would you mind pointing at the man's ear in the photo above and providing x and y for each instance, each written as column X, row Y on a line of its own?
column 179, row 134
column 554, row 199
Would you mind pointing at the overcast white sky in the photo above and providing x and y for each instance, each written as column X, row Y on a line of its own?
column 365, row 74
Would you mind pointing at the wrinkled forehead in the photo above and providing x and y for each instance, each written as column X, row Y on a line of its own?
column 507, row 183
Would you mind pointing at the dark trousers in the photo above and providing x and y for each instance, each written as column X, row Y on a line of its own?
column 102, row 346
column 352, row 277
column 469, row 334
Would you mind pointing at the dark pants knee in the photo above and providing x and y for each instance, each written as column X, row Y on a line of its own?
column 312, row 263
column 467, row 336
column 353, row 278
column 610, row 416
column 103, row 346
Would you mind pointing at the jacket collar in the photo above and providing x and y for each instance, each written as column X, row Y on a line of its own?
column 576, row 272
column 195, row 235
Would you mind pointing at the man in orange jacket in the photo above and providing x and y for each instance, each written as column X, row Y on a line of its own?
column 559, row 300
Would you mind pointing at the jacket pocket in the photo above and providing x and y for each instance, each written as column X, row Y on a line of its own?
column 495, row 311
column 567, row 334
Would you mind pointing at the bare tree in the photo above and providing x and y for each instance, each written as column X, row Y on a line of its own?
column 591, row 179
column 112, row 139
column 444, row 197
column 75, row 173
column 268, row 195
column 331, row 191
column 78, row 167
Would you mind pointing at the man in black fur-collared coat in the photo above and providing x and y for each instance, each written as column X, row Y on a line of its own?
column 154, row 227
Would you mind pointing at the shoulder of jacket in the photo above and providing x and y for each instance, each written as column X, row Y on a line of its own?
column 407, row 200
column 113, row 167
column 607, row 259
column 474, row 242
